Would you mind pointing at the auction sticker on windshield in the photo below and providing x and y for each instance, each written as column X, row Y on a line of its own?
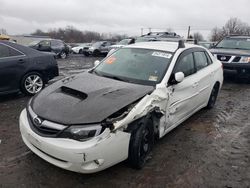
column 110, row 60
column 162, row 54
column 153, row 78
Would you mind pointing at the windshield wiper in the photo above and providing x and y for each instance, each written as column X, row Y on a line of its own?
column 109, row 76
column 115, row 78
column 96, row 73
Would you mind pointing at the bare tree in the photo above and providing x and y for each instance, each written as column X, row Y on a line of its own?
column 3, row 31
column 198, row 36
column 233, row 26
column 216, row 34
column 73, row 35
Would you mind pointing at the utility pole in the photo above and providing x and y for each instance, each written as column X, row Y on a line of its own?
column 149, row 29
column 141, row 31
column 188, row 32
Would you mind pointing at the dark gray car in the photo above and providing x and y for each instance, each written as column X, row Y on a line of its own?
column 25, row 69
column 234, row 53
column 56, row 46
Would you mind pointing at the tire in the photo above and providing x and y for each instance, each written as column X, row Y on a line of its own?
column 63, row 55
column 213, row 97
column 80, row 51
column 141, row 144
column 32, row 83
column 86, row 54
column 96, row 53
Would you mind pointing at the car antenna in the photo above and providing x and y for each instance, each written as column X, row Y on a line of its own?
column 181, row 44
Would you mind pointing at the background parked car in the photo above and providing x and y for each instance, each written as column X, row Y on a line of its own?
column 81, row 48
column 123, row 42
column 61, row 49
column 234, row 53
column 99, row 48
column 25, row 69
column 120, row 44
column 206, row 44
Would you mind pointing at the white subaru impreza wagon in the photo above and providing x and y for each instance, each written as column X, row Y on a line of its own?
column 117, row 110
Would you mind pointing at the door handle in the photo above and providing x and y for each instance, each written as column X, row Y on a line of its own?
column 195, row 84
column 20, row 60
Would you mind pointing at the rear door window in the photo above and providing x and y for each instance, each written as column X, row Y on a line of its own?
column 201, row 60
column 6, row 51
column 57, row 43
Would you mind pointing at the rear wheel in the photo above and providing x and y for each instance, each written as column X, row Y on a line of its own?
column 96, row 53
column 63, row 55
column 141, row 144
column 86, row 54
column 32, row 83
column 213, row 96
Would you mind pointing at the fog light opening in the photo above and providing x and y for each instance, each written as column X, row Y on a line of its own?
column 99, row 161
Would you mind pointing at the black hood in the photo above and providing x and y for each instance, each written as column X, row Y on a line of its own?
column 86, row 98
column 236, row 52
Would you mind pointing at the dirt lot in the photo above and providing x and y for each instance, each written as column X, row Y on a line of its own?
column 211, row 149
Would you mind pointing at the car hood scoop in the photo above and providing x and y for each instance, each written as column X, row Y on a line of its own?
column 75, row 93
column 85, row 99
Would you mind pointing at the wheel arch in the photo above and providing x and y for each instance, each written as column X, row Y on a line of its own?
column 41, row 72
column 153, row 115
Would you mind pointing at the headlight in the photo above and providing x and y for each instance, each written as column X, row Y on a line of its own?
column 245, row 60
column 81, row 133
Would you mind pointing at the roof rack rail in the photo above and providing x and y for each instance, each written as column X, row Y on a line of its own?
column 181, row 44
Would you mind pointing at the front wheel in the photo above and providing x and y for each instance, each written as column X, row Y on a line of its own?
column 63, row 55
column 141, row 144
column 32, row 83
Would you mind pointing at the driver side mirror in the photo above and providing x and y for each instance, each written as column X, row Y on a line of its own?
column 97, row 62
column 177, row 78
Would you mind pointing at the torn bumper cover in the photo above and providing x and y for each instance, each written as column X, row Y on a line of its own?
column 90, row 156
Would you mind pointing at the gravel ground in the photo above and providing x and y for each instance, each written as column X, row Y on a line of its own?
column 211, row 149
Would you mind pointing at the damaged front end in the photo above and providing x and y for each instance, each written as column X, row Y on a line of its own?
column 153, row 104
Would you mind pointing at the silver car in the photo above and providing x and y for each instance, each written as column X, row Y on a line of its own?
column 99, row 48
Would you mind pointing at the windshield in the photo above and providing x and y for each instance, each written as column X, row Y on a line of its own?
column 97, row 44
column 236, row 43
column 34, row 43
column 124, row 42
column 142, row 66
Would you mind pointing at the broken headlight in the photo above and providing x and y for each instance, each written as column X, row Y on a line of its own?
column 81, row 133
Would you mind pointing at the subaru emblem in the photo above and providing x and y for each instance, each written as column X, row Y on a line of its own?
column 37, row 121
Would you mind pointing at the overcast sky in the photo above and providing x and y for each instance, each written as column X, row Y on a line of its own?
column 120, row 16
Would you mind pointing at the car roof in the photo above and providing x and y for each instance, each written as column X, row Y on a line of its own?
column 161, row 45
column 24, row 49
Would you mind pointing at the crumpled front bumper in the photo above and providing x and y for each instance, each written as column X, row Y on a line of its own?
column 90, row 156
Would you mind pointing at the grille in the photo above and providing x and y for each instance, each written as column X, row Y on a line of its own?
column 237, row 59
column 44, row 128
column 223, row 57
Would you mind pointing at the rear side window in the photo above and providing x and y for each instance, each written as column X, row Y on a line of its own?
column 185, row 65
column 57, row 43
column 208, row 58
column 200, row 60
column 6, row 51
column 45, row 43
